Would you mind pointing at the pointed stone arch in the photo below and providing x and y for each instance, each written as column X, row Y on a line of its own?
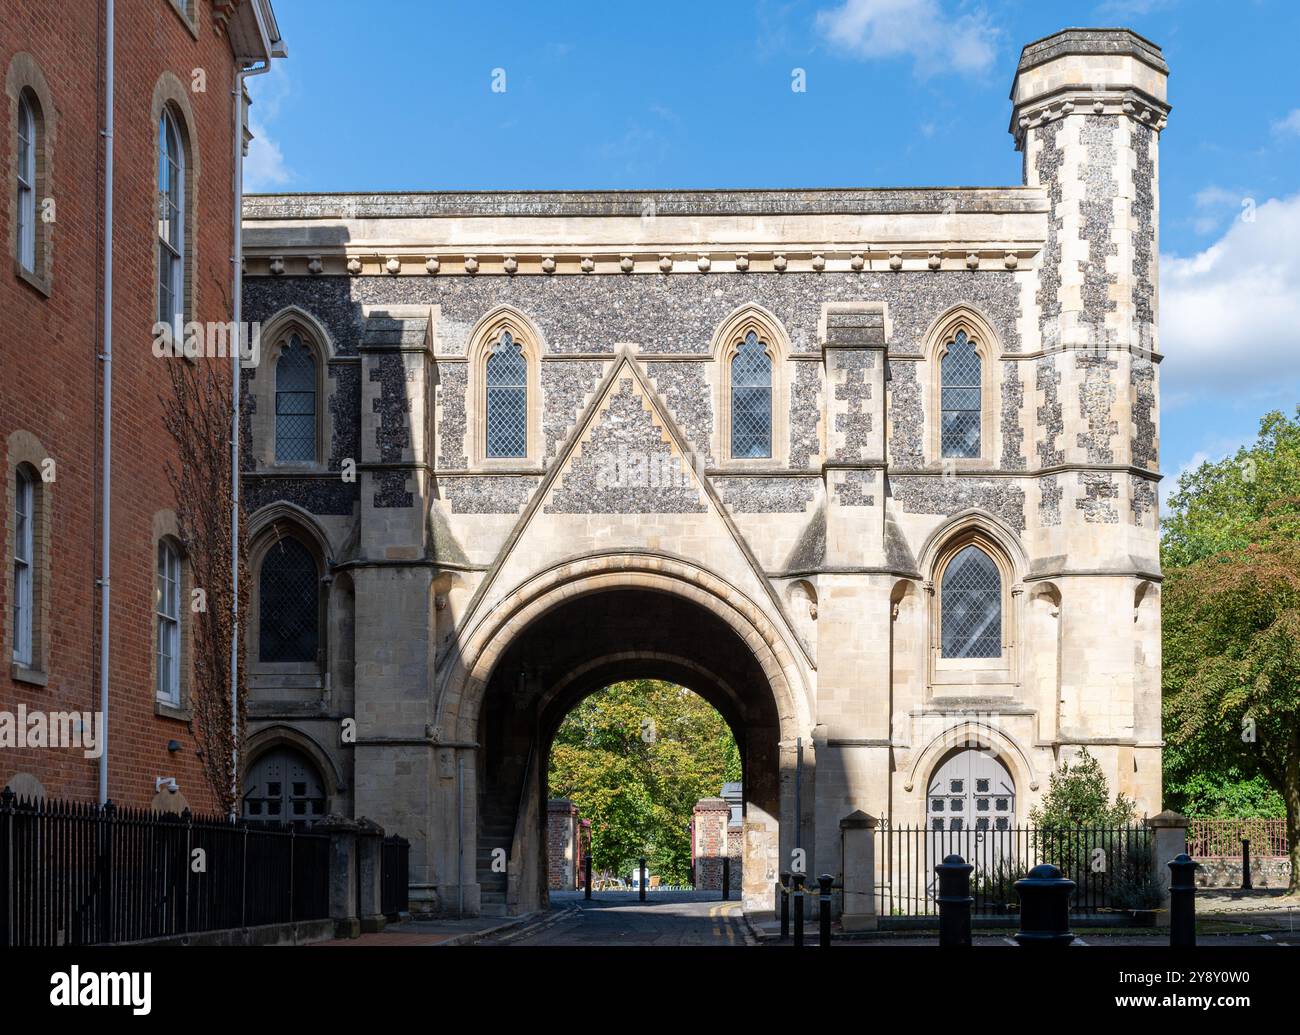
column 979, row 734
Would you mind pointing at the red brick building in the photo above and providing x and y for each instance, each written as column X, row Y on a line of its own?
column 176, row 81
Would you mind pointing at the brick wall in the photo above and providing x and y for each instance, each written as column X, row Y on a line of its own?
column 50, row 377
column 562, row 845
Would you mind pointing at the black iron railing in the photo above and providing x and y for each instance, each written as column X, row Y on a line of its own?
column 393, row 876
column 81, row 874
column 1109, row 865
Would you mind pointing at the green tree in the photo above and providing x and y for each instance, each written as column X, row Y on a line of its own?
column 635, row 758
column 1078, row 796
column 1231, row 629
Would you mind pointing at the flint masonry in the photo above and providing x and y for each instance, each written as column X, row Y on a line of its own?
column 908, row 547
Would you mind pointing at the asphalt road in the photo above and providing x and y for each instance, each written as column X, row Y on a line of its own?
column 619, row 918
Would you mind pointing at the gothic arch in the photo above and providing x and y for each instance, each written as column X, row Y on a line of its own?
column 727, row 339
column 464, row 682
column 281, row 735
column 962, row 319
column 483, row 337
column 974, row 733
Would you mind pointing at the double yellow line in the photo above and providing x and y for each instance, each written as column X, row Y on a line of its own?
column 719, row 913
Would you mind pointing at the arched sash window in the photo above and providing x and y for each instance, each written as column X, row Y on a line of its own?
column 26, row 199
column 751, row 400
column 507, row 399
column 961, row 404
column 168, row 616
column 171, row 225
column 971, row 606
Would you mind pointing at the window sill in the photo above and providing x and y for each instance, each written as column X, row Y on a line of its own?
column 35, row 676
column 166, row 710
column 32, row 279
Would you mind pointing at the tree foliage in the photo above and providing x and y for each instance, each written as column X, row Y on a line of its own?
column 1078, row 796
column 635, row 758
column 1232, row 627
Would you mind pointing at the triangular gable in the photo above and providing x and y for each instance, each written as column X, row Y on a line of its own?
column 625, row 457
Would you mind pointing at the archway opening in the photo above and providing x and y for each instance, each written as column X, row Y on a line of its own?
column 627, row 772
column 581, row 646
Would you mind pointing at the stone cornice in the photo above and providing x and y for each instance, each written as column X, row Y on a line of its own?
column 1114, row 42
column 1082, row 99
column 272, row 258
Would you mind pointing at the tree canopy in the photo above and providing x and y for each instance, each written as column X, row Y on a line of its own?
column 1231, row 626
column 635, row 758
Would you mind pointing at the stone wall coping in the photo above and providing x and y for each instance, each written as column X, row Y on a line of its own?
column 1168, row 819
column 859, row 820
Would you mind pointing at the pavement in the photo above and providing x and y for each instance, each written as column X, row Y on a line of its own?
column 1226, row 917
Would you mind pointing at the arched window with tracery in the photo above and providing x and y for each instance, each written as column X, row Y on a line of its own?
column 961, row 398
column 507, row 399
column 751, row 400
column 970, row 600
column 295, row 403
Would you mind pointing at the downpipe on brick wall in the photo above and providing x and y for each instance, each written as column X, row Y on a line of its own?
column 237, row 262
column 106, row 434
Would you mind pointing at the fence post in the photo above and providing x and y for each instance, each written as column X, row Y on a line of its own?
column 188, row 818
column 954, row 901
column 6, row 865
column 1246, row 884
column 1044, row 908
column 1182, row 901
column 858, row 864
column 726, row 877
column 107, row 817
column 783, row 893
column 642, row 864
column 370, row 875
column 824, row 910
column 586, row 876
column 1168, row 840
column 798, row 879
column 343, row 881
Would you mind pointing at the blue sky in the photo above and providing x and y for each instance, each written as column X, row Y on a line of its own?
column 399, row 95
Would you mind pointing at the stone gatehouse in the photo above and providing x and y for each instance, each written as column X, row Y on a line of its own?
column 872, row 471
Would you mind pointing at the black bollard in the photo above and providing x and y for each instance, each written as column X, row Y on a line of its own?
column 1182, row 901
column 643, row 878
column 798, row 879
column 1246, row 885
column 726, row 878
column 586, row 876
column 954, row 900
column 824, row 916
column 783, row 890
column 1044, row 908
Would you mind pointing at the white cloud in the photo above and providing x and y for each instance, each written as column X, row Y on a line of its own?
column 919, row 29
column 1289, row 125
column 1229, row 314
column 265, row 168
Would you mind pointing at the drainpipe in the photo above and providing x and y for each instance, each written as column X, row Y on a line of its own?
column 237, row 261
column 106, row 435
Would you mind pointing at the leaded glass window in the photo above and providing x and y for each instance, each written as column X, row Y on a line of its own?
column 295, row 403
column 507, row 399
column 288, row 604
column 24, row 510
column 171, row 224
column 168, row 608
column 751, row 400
column 26, row 199
column 971, row 606
column 960, row 372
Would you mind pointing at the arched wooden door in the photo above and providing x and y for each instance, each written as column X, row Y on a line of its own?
column 284, row 786
column 971, row 790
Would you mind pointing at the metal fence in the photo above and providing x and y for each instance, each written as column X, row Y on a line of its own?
column 1104, row 862
column 1221, row 838
column 81, row 874
column 394, row 871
